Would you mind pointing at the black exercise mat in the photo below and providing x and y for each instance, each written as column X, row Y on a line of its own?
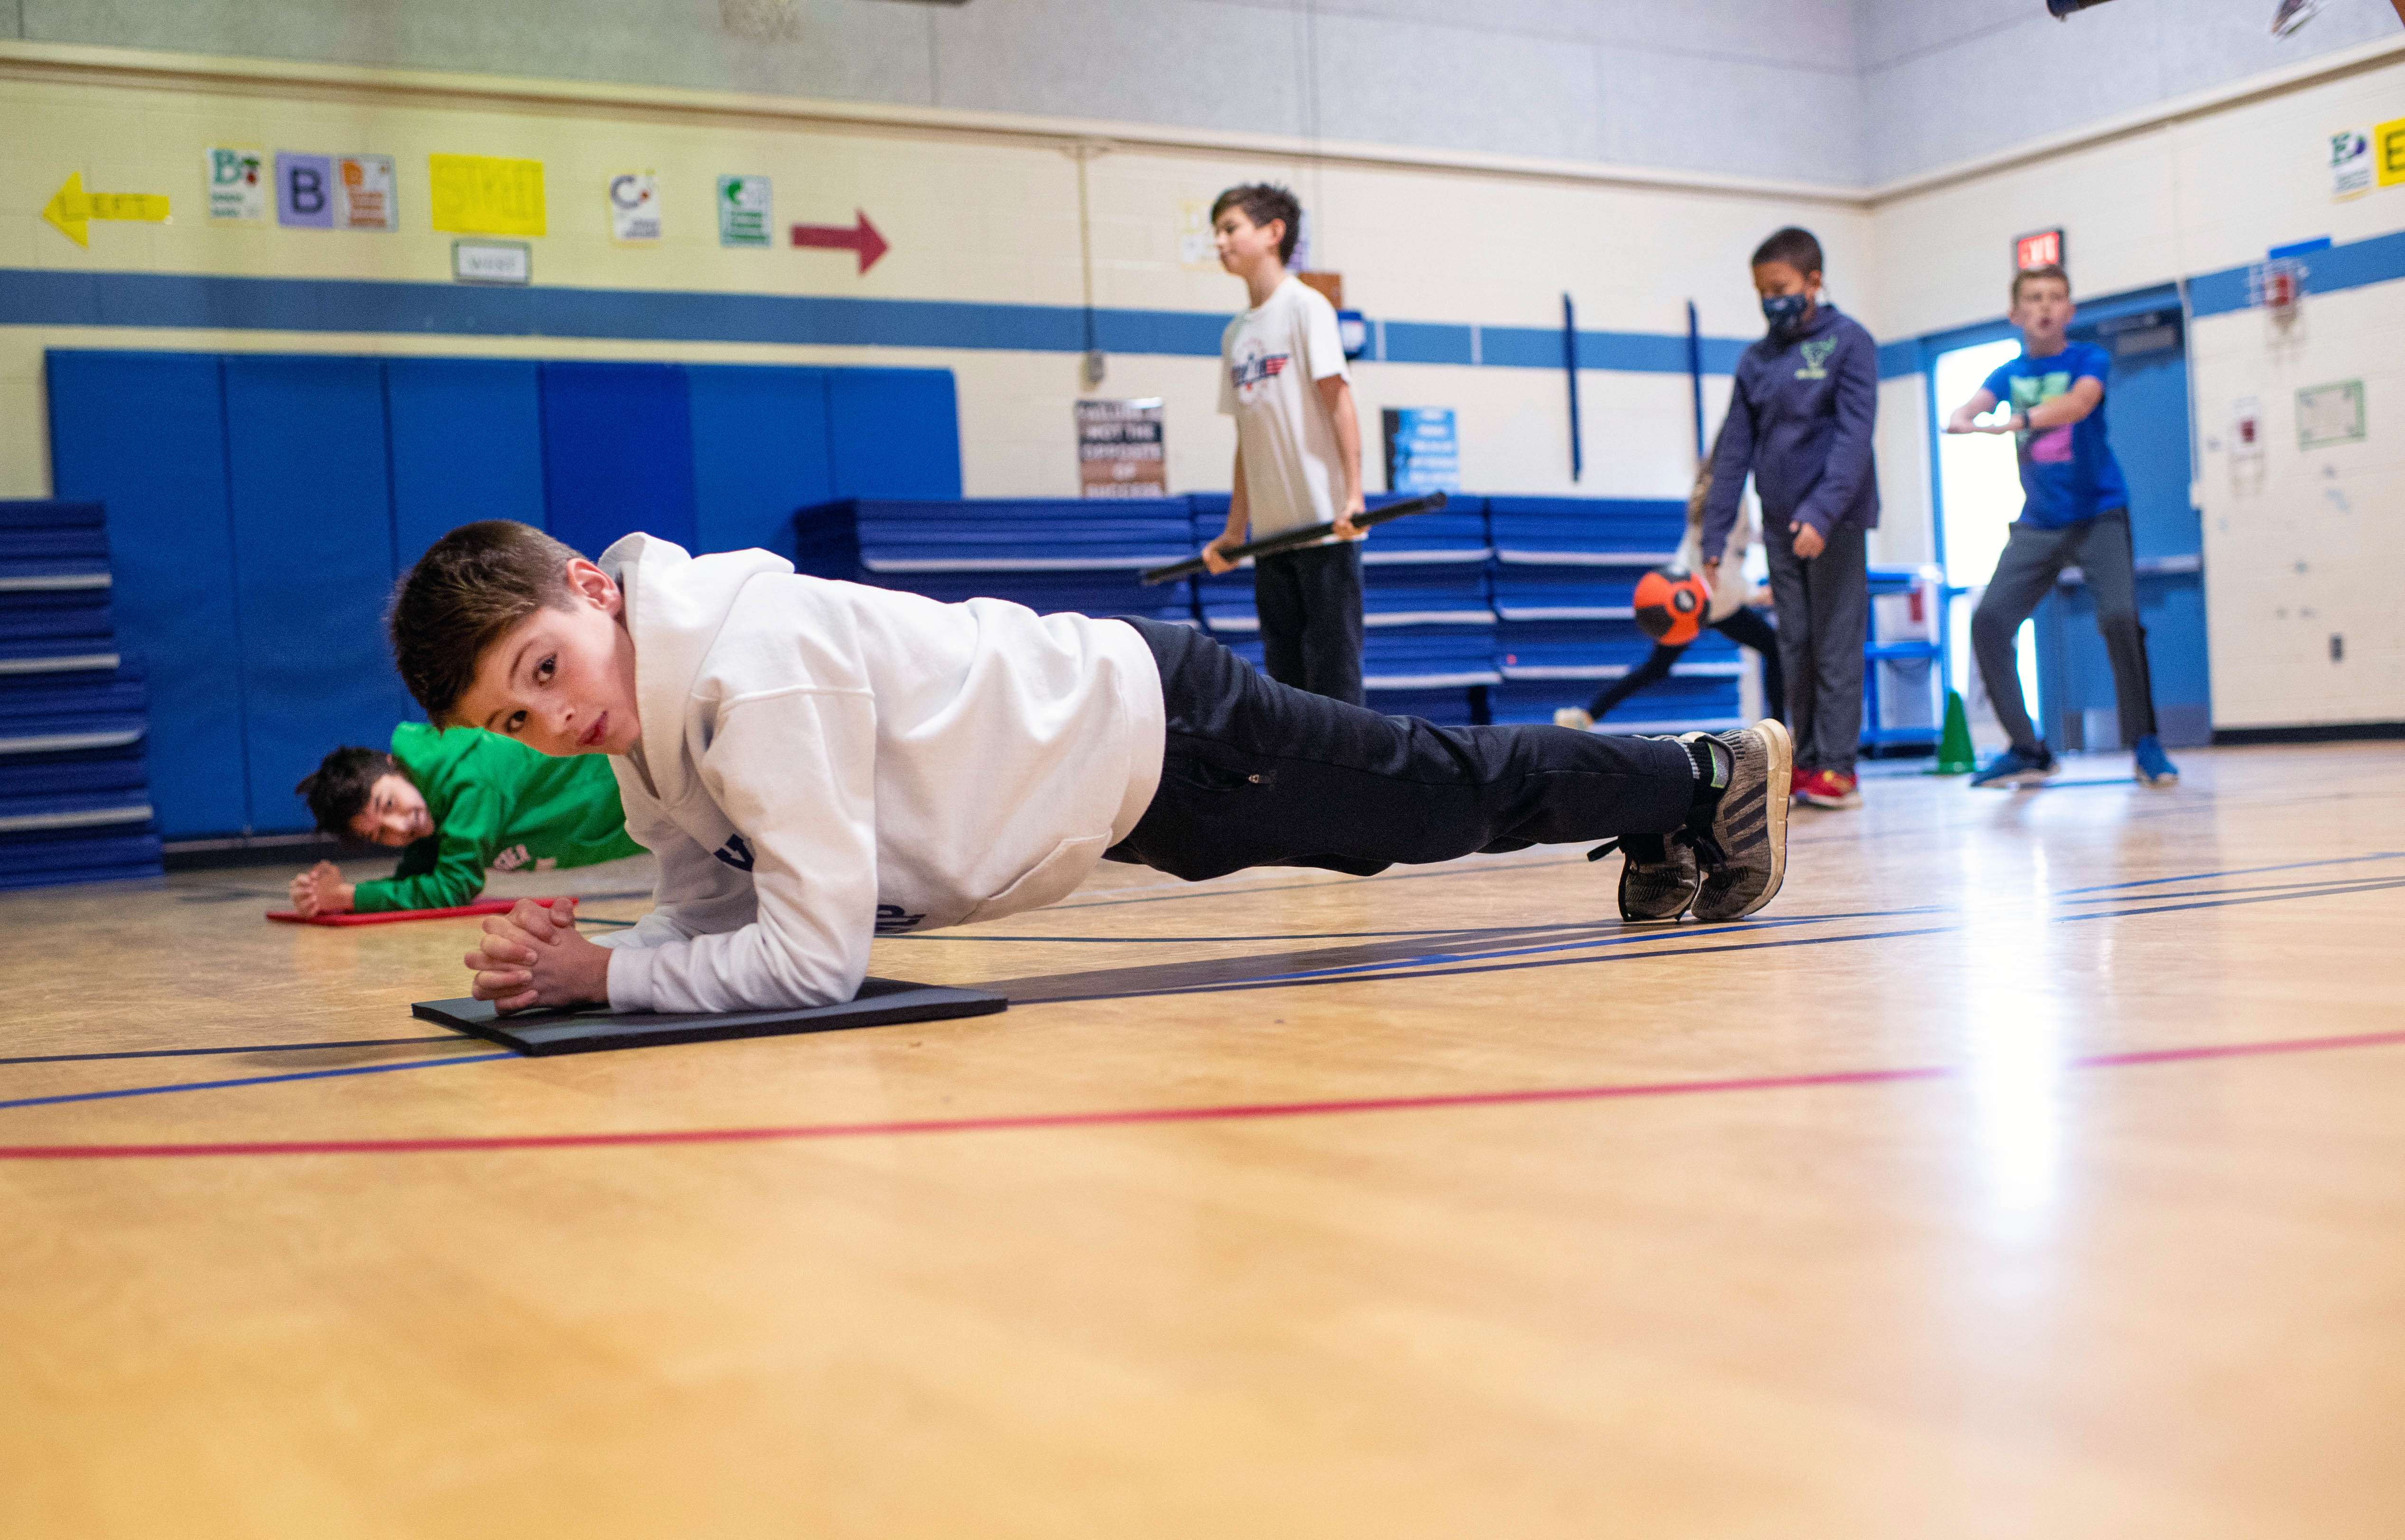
column 882, row 1002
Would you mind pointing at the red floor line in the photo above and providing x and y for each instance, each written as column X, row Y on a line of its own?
column 1238, row 1113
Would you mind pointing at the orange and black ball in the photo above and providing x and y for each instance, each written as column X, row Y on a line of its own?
column 1672, row 604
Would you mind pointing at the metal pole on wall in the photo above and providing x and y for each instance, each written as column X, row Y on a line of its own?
column 1696, row 373
column 1570, row 367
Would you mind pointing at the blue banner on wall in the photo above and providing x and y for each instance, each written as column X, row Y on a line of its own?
column 1422, row 453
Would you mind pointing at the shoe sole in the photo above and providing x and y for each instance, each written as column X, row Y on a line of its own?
column 1850, row 800
column 2019, row 778
column 2159, row 782
column 1627, row 918
column 1777, row 788
column 1693, row 890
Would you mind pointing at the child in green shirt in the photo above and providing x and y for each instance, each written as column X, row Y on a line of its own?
column 454, row 803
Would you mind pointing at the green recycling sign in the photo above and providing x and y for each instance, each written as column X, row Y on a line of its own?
column 744, row 211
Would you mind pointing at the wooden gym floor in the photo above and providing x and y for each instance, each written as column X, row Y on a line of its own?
column 2033, row 1166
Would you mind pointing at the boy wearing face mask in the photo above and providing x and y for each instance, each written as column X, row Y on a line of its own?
column 1799, row 422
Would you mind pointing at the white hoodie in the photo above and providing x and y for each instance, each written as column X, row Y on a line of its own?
column 823, row 761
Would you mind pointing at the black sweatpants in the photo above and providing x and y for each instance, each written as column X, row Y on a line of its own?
column 1744, row 626
column 1310, row 605
column 1824, row 618
column 2032, row 560
column 1258, row 774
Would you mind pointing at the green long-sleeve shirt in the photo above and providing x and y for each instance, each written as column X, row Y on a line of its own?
column 496, row 804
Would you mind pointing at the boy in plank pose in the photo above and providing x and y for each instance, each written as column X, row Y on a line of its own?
column 2076, row 511
column 454, row 805
column 817, row 762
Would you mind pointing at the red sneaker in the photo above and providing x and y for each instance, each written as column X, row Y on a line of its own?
column 1829, row 789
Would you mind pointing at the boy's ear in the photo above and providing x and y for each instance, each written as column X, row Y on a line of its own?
column 589, row 583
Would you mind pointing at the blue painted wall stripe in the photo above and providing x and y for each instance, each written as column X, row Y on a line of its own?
column 37, row 296
column 2378, row 260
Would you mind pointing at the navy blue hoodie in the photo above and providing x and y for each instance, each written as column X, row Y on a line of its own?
column 1800, row 420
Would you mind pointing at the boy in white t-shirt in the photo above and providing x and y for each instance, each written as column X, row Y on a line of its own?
column 1297, row 449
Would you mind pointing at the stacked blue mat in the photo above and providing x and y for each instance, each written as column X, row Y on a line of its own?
column 1050, row 554
column 1428, row 613
column 1500, row 609
column 1566, row 571
column 75, row 801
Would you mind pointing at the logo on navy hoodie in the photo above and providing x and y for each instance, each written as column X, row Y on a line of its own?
column 735, row 852
column 1816, row 358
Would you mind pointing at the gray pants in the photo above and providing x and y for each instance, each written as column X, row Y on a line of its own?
column 2025, row 574
column 1825, row 617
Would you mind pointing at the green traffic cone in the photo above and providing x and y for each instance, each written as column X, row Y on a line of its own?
column 1954, row 748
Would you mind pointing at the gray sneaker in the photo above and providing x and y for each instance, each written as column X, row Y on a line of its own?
column 1657, row 889
column 1744, row 851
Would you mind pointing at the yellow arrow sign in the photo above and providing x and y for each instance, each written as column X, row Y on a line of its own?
column 71, row 206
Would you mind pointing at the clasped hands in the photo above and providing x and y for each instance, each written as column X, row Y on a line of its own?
column 532, row 956
column 320, row 890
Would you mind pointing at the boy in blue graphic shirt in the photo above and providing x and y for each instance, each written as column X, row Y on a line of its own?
column 2075, row 514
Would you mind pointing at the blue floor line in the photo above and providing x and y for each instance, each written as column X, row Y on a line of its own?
column 252, row 1080
column 1292, row 982
column 2240, row 872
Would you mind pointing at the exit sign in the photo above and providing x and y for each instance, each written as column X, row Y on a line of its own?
column 2043, row 249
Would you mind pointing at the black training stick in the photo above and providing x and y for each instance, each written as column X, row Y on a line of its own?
column 1307, row 535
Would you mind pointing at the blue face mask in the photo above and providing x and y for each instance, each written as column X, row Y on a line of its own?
column 1784, row 312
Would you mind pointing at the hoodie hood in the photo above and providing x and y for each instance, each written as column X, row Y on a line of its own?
column 676, row 605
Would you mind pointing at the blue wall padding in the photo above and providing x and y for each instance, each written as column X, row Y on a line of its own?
column 466, row 444
column 893, row 433
column 617, row 453
column 145, row 433
column 759, row 452
column 313, row 566
column 260, row 507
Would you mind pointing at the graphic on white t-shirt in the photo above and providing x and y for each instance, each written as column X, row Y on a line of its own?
column 1253, row 368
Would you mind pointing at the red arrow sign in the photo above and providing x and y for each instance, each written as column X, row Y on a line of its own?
column 863, row 239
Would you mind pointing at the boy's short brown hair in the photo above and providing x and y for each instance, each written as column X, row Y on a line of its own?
column 2051, row 269
column 338, row 791
column 1261, row 202
column 1797, row 247
column 463, row 594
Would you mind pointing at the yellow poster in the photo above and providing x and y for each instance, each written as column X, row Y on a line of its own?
column 2388, row 152
column 486, row 195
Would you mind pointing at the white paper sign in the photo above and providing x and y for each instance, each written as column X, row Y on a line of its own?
column 492, row 261
column 635, row 207
column 2329, row 414
column 2350, row 162
column 237, row 183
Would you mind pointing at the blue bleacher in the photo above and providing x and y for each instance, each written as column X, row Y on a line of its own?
column 1427, row 608
column 1566, row 571
column 1048, row 554
column 75, row 801
column 1498, row 609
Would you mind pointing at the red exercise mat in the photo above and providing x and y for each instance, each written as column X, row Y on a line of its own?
column 482, row 907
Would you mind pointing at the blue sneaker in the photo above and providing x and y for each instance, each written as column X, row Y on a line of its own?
column 2155, row 767
column 2014, row 768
